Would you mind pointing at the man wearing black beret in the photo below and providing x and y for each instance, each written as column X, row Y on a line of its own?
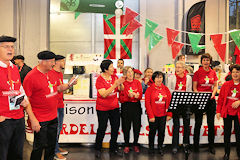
column 22, row 67
column 42, row 88
column 12, row 127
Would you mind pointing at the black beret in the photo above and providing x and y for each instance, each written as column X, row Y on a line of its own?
column 44, row 55
column 7, row 39
column 19, row 57
column 59, row 57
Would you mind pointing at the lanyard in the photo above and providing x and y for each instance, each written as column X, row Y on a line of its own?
column 20, row 69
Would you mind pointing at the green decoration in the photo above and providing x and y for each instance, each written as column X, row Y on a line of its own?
column 149, row 27
column 153, row 41
column 77, row 14
column 194, row 40
column 236, row 37
column 69, row 5
column 109, row 16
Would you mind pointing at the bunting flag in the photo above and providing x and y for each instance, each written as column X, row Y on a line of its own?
column 236, row 37
column 176, row 48
column 237, row 54
column 109, row 16
column 133, row 25
column 150, row 26
column 216, row 38
column 171, row 35
column 77, row 14
column 116, row 43
column 129, row 16
column 194, row 40
column 154, row 39
column 221, row 50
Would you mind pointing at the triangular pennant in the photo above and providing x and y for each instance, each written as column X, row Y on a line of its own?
column 109, row 16
column 154, row 39
column 236, row 37
column 134, row 24
column 77, row 14
column 129, row 16
column 194, row 40
column 237, row 54
column 176, row 47
column 149, row 27
column 171, row 35
column 216, row 38
column 221, row 50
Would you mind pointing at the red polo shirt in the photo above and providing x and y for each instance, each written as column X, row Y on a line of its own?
column 111, row 101
column 205, row 79
column 42, row 92
column 181, row 83
column 9, row 74
column 59, row 76
column 157, row 100
column 134, row 86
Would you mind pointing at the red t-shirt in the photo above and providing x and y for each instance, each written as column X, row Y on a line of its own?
column 233, row 95
column 9, row 74
column 59, row 76
column 157, row 100
column 205, row 79
column 42, row 92
column 111, row 101
column 134, row 86
column 181, row 83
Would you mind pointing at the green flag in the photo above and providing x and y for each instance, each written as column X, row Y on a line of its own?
column 194, row 40
column 236, row 37
column 77, row 14
column 154, row 39
column 149, row 27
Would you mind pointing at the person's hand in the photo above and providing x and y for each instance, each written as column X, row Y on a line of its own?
column 35, row 125
column 169, row 118
column 2, row 118
column 236, row 104
column 72, row 79
column 136, row 95
column 131, row 94
column 24, row 103
column 218, row 116
column 120, row 81
column 152, row 120
column 212, row 96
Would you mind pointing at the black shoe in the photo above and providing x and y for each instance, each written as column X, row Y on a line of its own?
column 98, row 154
column 196, row 149
column 226, row 157
column 151, row 151
column 160, row 151
column 116, row 153
column 186, row 148
column 211, row 150
column 174, row 150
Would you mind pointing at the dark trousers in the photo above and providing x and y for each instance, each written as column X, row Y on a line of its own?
column 45, row 139
column 210, row 112
column 159, row 125
column 12, row 133
column 131, row 114
column 176, row 126
column 114, row 118
column 228, row 131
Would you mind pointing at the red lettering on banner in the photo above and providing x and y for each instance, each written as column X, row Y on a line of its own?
column 191, row 131
column 223, row 131
column 82, row 128
column 64, row 129
column 92, row 129
column 141, row 134
column 71, row 129
column 233, row 132
column 181, row 130
column 205, row 132
column 169, row 131
column 147, row 128
column 216, row 128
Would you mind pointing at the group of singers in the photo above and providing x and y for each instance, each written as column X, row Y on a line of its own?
column 157, row 100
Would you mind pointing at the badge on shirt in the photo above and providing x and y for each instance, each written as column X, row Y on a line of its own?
column 180, row 86
column 206, row 80
column 234, row 92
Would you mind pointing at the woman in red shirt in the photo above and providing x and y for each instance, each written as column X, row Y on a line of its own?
column 147, row 80
column 107, row 106
column 205, row 80
column 131, row 108
column 228, row 108
column 157, row 100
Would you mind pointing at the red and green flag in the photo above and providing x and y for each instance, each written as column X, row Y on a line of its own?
column 116, row 43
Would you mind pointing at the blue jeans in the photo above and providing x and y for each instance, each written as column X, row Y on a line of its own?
column 60, row 123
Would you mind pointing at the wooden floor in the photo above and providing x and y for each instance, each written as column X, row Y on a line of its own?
column 80, row 152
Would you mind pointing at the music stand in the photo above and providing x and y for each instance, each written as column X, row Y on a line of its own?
column 191, row 100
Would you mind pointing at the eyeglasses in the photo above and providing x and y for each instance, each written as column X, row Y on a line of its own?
column 8, row 47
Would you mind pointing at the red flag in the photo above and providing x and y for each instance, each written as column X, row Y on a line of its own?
column 171, row 35
column 221, row 50
column 134, row 24
column 216, row 38
column 129, row 16
column 237, row 54
column 176, row 47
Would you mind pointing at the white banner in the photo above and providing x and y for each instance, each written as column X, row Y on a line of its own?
column 80, row 126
